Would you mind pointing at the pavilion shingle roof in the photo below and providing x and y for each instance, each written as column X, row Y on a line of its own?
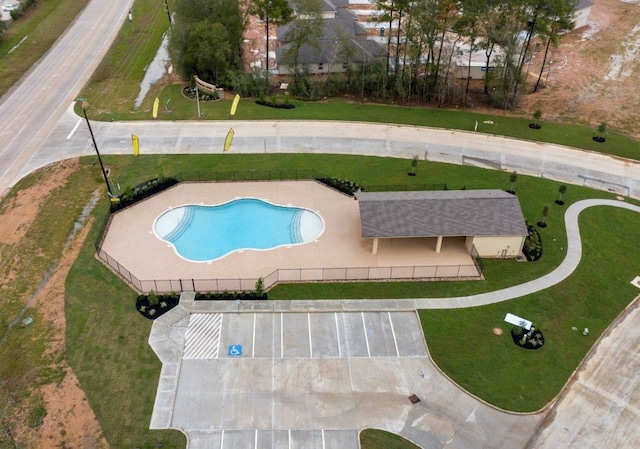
column 440, row 213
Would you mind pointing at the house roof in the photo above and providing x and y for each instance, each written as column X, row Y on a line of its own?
column 583, row 4
column 440, row 213
column 329, row 49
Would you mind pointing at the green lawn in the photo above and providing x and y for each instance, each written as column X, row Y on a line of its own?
column 494, row 368
column 29, row 37
column 107, row 339
column 181, row 108
column 379, row 439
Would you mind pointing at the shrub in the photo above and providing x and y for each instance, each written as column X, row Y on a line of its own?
column 142, row 191
column 344, row 186
column 532, row 247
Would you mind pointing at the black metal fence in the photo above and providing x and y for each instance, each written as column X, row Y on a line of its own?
column 426, row 272
column 296, row 275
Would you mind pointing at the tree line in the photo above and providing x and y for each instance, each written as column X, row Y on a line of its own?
column 423, row 40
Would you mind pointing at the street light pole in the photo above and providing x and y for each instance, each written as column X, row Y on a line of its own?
column 166, row 7
column 104, row 173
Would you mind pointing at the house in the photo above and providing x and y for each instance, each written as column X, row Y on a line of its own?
column 344, row 43
column 490, row 221
column 581, row 14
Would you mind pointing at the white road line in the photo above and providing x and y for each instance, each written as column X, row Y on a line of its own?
column 253, row 344
column 281, row 336
column 75, row 128
column 255, row 442
column 366, row 339
column 309, row 327
column 289, row 438
column 395, row 342
column 322, row 438
column 222, row 440
column 338, row 334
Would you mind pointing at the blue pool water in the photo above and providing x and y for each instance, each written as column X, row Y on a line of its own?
column 206, row 233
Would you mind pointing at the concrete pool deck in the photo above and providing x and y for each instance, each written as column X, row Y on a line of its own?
column 131, row 241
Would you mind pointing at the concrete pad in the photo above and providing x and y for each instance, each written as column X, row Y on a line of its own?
column 327, row 376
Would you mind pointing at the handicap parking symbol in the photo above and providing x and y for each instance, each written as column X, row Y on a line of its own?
column 235, row 351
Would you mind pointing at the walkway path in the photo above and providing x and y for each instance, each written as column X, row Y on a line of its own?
column 564, row 270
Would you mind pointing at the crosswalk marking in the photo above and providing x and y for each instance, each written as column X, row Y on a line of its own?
column 202, row 340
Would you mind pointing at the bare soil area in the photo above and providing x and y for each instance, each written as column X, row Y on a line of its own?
column 69, row 421
column 593, row 76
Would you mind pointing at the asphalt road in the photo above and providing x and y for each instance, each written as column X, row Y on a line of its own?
column 32, row 109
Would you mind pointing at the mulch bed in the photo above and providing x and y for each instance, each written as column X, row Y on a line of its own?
column 526, row 339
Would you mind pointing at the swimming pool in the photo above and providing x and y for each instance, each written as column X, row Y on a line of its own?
column 206, row 233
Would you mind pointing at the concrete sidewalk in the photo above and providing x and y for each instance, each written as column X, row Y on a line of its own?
column 565, row 164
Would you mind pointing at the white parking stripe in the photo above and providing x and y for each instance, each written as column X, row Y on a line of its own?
column 255, row 443
column 338, row 334
column 309, row 327
column 393, row 332
column 222, row 439
column 281, row 336
column 253, row 344
column 366, row 339
column 322, row 438
column 289, row 438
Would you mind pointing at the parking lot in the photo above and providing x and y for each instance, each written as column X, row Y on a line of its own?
column 271, row 379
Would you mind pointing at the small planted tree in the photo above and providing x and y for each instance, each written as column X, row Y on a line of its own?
column 414, row 165
column 561, row 192
column 513, row 179
column 543, row 219
column 601, row 132
column 259, row 290
column 537, row 115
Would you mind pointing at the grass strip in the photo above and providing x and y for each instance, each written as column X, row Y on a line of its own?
column 30, row 37
column 380, row 439
column 182, row 108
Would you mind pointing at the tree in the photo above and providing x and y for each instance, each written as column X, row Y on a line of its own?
column 207, row 52
column 543, row 220
column 276, row 12
column 306, row 29
column 561, row 192
column 193, row 18
column 513, row 178
column 558, row 18
column 414, row 165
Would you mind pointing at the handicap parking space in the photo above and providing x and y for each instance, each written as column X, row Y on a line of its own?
column 313, row 334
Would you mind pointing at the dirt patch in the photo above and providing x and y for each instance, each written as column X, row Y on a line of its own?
column 591, row 76
column 20, row 211
column 69, row 420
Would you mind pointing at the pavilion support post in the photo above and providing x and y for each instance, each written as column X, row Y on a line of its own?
column 375, row 246
column 439, row 244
